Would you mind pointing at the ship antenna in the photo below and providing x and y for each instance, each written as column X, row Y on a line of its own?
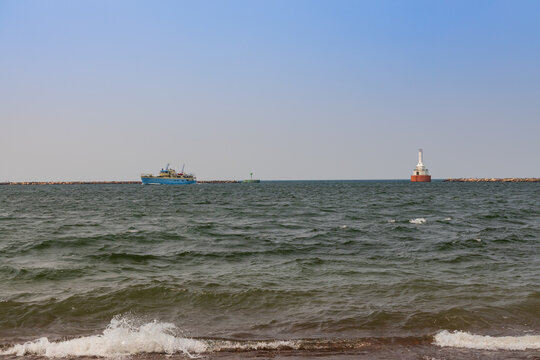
column 167, row 168
column 183, row 168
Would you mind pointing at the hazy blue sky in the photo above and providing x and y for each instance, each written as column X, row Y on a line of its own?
column 105, row 90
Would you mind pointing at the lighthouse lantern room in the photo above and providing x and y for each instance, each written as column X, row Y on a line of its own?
column 420, row 173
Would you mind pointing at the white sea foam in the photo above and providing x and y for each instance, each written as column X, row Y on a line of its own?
column 120, row 337
column 225, row 345
column 447, row 219
column 391, row 221
column 467, row 340
column 418, row 221
column 123, row 338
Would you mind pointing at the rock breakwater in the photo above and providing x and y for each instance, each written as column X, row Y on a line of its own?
column 493, row 180
column 218, row 182
column 105, row 182
column 69, row 182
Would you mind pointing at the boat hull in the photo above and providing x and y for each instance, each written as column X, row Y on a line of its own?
column 166, row 181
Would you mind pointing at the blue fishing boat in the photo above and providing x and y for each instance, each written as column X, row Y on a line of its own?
column 169, row 176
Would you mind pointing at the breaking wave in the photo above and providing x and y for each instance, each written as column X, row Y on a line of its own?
column 124, row 336
column 121, row 337
column 418, row 221
column 463, row 339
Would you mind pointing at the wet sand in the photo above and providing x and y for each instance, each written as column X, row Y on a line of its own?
column 376, row 352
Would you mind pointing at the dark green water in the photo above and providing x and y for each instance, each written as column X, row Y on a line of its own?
column 276, row 260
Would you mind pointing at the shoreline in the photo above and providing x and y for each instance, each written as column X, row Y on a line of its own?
column 341, row 349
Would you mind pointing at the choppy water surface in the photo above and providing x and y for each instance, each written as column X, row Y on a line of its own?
column 278, row 265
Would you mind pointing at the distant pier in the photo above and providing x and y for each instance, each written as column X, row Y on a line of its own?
column 493, row 180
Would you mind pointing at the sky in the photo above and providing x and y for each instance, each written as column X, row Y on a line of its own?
column 286, row 89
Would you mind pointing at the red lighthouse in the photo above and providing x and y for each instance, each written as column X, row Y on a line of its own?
column 420, row 173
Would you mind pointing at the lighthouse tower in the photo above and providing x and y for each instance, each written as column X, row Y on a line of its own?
column 420, row 173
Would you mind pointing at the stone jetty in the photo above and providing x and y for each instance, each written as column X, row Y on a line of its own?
column 493, row 180
column 69, row 182
column 218, row 182
column 105, row 182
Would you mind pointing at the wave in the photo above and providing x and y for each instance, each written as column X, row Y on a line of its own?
column 121, row 337
column 119, row 256
column 418, row 221
column 13, row 273
column 125, row 336
column 463, row 339
column 263, row 310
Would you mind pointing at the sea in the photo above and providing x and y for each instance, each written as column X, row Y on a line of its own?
column 275, row 270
